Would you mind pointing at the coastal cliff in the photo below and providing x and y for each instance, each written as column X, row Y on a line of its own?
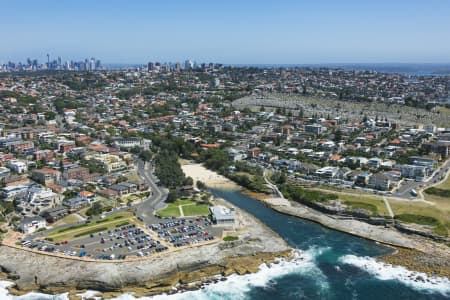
column 412, row 251
column 257, row 244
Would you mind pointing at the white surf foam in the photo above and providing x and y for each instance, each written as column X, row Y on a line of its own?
column 89, row 295
column 237, row 286
column 416, row 280
column 234, row 287
column 5, row 295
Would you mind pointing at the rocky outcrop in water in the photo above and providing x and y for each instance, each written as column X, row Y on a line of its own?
column 32, row 271
column 429, row 263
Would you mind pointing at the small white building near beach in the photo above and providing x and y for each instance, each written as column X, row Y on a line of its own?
column 221, row 215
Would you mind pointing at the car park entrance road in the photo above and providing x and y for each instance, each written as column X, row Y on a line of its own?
column 132, row 240
column 131, row 237
column 155, row 201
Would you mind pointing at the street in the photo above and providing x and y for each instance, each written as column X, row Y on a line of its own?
column 404, row 191
column 155, row 201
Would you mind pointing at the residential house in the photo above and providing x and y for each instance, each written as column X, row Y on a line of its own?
column 327, row 172
column 412, row 171
column 17, row 166
column 54, row 214
column 119, row 189
column 78, row 173
column 77, row 203
column 43, row 154
column 362, row 179
column 31, row 224
column 46, row 176
column 379, row 181
column 111, row 163
column 132, row 187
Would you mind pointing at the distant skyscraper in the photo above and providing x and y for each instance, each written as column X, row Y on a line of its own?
column 188, row 64
column 92, row 64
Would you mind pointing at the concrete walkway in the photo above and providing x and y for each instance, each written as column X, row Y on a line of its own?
column 180, row 208
column 388, row 206
column 280, row 200
column 272, row 186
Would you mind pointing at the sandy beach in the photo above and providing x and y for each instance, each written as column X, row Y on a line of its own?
column 209, row 178
column 436, row 255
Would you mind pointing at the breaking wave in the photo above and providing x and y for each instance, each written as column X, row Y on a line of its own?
column 232, row 287
column 416, row 280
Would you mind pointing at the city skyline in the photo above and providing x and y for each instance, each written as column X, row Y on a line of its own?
column 291, row 32
column 225, row 149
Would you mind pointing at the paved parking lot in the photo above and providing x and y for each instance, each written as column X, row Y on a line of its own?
column 133, row 241
column 186, row 231
column 117, row 243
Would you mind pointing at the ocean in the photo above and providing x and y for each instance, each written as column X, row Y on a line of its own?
column 327, row 265
column 413, row 69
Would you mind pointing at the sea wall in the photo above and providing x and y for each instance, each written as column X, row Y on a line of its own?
column 33, row 271
column 351, row 226
column 257, row 244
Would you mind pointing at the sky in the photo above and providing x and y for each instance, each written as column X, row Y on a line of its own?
column 227, row 31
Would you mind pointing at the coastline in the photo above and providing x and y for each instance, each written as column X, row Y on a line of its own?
column 257, row 244
column 413, row 252
column 180, row 280
column 210, row 178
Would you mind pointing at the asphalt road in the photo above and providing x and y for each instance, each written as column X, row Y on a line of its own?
column 405, row 188
column 144, row 210
column 155, row 201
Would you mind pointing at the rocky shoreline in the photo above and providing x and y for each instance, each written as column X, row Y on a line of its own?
column 431, row 264
column 257, row 244
column 413, row 252
column 190, row 278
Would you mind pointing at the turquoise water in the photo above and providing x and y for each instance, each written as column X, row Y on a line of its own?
column 344, row 267
column 327, row 265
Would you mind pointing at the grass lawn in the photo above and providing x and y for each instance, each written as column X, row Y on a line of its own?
column 445, row 185
column 423, row 209
column 418, row 219
column 70, row 219
column 195, row 210
column 443, row 110
column 82, row 212
column 75, row 231
column 133, row 177
column 170, row 211
column 440, row 210
column 419, row 208
column 130, row 198
column 189, row 207
column 183, row 202
column 442, row 203
column 372, row 203
column 230, row 238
